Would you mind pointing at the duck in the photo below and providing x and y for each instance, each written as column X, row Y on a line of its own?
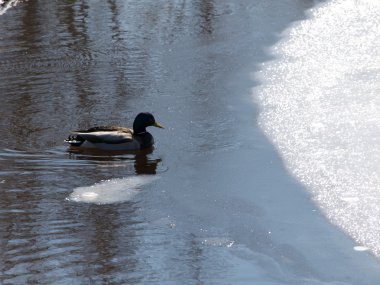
column 116, row 137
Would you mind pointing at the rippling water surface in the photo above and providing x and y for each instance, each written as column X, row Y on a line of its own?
column 211, row 204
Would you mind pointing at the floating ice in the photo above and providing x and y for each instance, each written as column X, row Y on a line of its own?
column 361, row 248
column 7, row 5
column 218, row 241
column 111, row 191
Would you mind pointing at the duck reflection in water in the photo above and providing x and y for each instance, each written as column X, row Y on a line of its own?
column 140, row 159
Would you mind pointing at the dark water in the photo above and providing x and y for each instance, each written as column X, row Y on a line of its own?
column 210, row 217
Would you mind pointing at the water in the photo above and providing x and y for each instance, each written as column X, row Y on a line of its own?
column 322, row 110
column 212, row 204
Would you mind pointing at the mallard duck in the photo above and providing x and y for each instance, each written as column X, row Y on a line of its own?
column 115, row 137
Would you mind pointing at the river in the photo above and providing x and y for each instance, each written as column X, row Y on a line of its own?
column 215, row 202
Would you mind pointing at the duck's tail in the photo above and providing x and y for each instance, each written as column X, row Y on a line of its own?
column 74, row 140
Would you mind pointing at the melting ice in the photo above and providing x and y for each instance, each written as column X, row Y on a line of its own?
column 111, row 191
column 320, row 106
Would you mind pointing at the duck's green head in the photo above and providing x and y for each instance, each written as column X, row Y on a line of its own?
column 144, row 120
